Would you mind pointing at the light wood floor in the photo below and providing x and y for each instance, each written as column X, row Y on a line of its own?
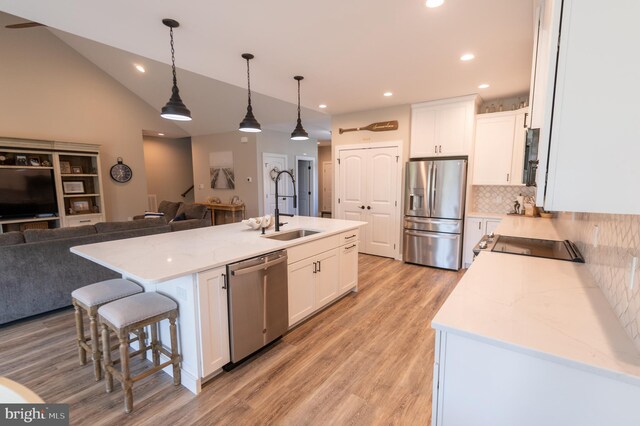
column 367, row 359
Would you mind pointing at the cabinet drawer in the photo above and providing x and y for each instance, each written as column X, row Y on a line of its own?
column 83, row 220
column 312, row 248
column 350, row 236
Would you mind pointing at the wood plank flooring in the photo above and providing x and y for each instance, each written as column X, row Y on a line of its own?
column 367, row 359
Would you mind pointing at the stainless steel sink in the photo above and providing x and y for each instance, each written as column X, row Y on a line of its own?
column 291, row 235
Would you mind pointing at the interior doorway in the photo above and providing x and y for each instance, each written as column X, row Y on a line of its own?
column 305, row 186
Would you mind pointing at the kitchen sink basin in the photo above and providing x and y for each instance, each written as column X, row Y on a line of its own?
column 291, row 235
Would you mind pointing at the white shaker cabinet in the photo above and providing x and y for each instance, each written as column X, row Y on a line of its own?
column 499, row 148
column 592, row 139
column 320, row 272
column 214, row 322
column 474, row 229
column 443, row 127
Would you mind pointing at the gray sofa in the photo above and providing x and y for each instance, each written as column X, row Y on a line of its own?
column 39, row 272
column 177, row 212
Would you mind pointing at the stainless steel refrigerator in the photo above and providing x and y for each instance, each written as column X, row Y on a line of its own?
column 434, row 212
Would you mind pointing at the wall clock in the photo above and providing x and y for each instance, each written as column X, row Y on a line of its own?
column 121, row 172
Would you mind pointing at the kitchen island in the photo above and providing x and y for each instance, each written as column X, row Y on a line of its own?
column 190, row 267
column 531, row 341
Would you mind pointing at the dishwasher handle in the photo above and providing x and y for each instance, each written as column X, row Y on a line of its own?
column 265, row 265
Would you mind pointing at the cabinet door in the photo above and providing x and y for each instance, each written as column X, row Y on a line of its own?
column 491, row 225
column 594, row 146
column 327, row 277
column 519, row 140
column 494, row 149
column 473, row 232
column 302, row 289
column 214, row 322
column 451, row 129
column 423, row 132
column 348, row 267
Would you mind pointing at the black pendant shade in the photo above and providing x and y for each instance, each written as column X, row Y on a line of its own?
column 299, row 134
column 249, row 123
column 175, row 109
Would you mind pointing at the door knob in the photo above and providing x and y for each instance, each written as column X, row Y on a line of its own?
column 362, row 207
column 368, row 207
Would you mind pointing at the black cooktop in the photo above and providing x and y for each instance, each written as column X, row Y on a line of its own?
column 550, row 249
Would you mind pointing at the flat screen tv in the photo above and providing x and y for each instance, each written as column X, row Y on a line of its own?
column 27, row 192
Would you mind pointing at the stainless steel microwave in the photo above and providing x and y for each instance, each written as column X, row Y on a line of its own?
column 531, row 157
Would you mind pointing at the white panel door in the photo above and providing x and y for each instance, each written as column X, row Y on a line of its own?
column 269, row 162
column 327, row 192
column 382, row 169
column 352, row 188
column 368, row 191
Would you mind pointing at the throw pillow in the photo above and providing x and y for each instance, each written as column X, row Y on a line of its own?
column 179, row 217
column 148, row 215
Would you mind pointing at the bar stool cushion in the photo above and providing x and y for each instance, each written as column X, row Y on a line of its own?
column 105, row 291
column 133, row 309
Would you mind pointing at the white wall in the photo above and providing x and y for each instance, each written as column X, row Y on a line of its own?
column 169, row 168
column 50, row 92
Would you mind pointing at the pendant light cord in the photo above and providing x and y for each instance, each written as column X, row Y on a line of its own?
column 173, row 58
column 249, row 82
column 298, row 100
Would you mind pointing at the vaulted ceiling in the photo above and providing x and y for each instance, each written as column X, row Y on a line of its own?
column 350, row 52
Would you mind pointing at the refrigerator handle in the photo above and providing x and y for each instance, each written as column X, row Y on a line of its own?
column 434, row 178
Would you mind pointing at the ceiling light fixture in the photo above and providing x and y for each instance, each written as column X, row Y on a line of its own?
column 387, row 94
column 140, row 68
column 483, row 86
column 467, row 57
column 175, row 109
column 434, row 3
column 299, row 134
column 249, row 123
column 322, row 106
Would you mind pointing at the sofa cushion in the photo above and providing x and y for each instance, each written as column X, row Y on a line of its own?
column 129, row 225
column 11, row 238
column 169, row 208
column 36, row 235
column 193, row 211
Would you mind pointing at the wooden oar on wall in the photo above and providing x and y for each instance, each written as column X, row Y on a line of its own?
column 383, row 126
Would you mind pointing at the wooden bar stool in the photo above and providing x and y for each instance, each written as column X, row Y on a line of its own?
column 89, row 298
column 124, row 316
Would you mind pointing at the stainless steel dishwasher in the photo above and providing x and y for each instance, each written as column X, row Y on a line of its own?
column 258, row 303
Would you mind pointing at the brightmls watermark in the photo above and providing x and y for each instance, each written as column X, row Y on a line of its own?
column 34, row 414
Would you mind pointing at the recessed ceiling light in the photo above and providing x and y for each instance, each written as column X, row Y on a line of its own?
column 467, row 57
column 160, row 134
column 387, row 94
column 483, row 86
column 434, row 3
column 323, row 106
column 140, row 68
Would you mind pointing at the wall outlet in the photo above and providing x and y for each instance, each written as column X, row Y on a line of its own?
column 249, row 179
column 201, row 186
column 596, row 236
column 498, row 199
column 244, row 139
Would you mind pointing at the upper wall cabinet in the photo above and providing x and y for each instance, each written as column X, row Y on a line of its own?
column 592, row 138
column 443, row 128
column 499, row 148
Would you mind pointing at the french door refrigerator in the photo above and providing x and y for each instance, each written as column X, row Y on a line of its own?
column 434, row 212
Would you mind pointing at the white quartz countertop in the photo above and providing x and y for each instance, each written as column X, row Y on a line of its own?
column 156, row 258
column 550, row 308
column 528, row 227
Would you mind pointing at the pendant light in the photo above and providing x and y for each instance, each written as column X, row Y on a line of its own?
column 299, row 134
column 175, row 109
column 249, row 124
